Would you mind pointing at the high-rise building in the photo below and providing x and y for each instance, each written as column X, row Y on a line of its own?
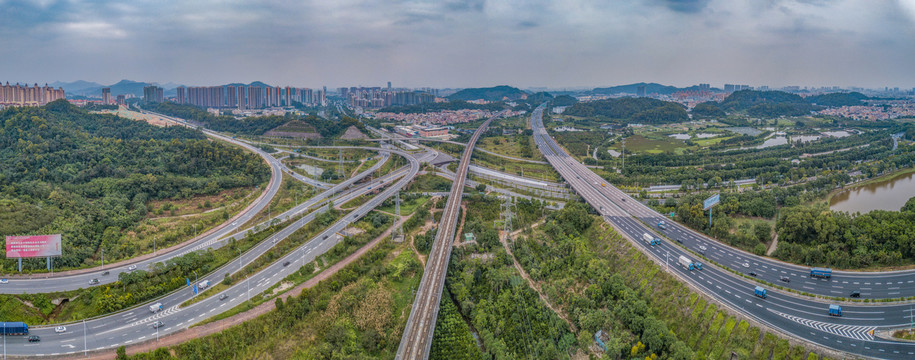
column 640, row 91
column 122, row 100
column 704, row 87
column 255, row 97
column 23, row 95
column 152, row 94
column 106, row 96
column 389, row 86
column 242, row 102
column 181, row 97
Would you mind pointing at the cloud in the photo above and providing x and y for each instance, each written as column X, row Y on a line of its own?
column 92, row 29
column 463, row 43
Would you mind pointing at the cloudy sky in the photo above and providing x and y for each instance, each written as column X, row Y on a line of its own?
column 452, row 43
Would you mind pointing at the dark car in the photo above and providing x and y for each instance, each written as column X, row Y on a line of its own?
column 93, row 281
column 34, row 338
column 286, row 263
column 158, row 324
column 855, row 294
column 784, row 278
column 106, row 273
column 752, row 273
column 223, row 296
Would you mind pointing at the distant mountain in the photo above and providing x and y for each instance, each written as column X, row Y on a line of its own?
column 650, row 88
column 496, row 93
column 75, row 86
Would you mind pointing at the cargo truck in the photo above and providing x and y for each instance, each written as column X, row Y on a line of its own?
column 662, row 225
column 821, row 273
column 835, row 310
column 203, row 285
column 759, row 291
column 14, row 328
column 651, row 240
column 686, row 262
column 155, row 307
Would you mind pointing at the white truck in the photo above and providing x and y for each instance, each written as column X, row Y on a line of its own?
column 155, row 307
column 651, row 240
column 203, row 285
column 686, row 262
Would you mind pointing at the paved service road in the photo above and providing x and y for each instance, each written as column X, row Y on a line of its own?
column 793, row 315
column 417, row 336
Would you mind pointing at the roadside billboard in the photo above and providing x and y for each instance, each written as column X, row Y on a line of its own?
column 711, row 201
column 33, row 246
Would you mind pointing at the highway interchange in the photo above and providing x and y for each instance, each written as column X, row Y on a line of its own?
column 789, row 314
column 798, row 316
column 134, row 325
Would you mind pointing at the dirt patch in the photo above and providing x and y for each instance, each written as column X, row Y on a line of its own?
column 353, row 133
column 283, row 286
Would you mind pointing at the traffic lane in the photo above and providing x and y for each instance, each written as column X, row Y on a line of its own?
column 262, row 281
column 878, row 316
column 740, row 295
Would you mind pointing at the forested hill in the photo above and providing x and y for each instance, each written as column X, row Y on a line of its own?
column 496, row 93
column 90, row 176
column 631, row 110
column 767, row 103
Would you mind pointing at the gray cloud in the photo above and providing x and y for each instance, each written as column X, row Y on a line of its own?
column 461, row 43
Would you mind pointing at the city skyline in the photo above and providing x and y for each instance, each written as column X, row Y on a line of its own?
column 464, row 43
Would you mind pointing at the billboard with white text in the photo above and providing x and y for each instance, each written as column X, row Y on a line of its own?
column 33, row 246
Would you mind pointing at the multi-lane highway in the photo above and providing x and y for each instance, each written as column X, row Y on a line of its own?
column 135, row 325
column 47, row 283
column 416, row 340
column 789, row 314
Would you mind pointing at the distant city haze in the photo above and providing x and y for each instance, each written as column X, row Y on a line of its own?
column 561, row 43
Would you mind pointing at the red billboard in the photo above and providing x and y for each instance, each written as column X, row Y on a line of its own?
column 33, row 246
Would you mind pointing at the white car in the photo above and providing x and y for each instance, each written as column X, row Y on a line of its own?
column 234, row 223
column 60, row 329
column 131, row 268
column 746, row 264
column 4, row 281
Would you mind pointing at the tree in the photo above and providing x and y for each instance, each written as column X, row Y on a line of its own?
column 481, row 187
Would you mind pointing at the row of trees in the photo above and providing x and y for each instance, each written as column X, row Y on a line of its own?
column 815, row 235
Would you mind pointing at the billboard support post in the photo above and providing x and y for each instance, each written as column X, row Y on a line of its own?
column 708, row 204
column 20, row 265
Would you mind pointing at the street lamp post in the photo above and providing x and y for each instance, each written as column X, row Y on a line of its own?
column 85, row 340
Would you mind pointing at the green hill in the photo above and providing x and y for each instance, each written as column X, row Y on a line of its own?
column 495, row 93
column 631, row 110
column 838, row 99
column 650, row 88
column 90, row 177
column 767, row 103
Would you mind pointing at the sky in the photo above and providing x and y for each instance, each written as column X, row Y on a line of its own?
column 453, row 43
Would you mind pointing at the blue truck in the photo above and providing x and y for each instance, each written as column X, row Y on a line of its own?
column 825, row 273
column 651, row 240
column 835, row 310
column 662, row 225
column 759, row 291
column 14, row 328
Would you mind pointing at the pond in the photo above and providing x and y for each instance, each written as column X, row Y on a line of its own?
column 890, row 194
column 680, row 136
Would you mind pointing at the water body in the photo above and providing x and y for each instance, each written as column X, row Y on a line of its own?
column 890, row 194
column 837, row 134
column 805, row 138
column 706, row 135
column 745, row 130
column 680, row 136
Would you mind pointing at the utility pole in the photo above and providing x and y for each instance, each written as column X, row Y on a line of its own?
column 623, row 154
column 85, row 342
column 398, row 231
